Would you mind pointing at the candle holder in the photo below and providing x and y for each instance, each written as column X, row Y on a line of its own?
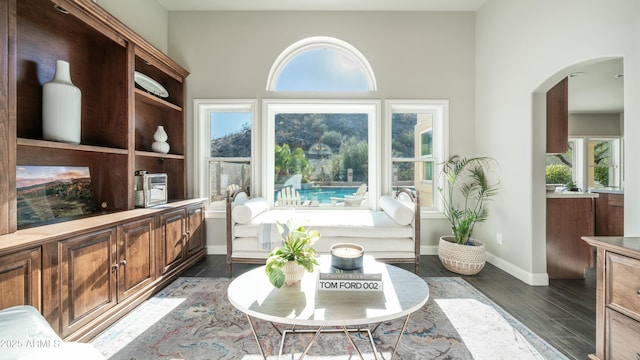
column 347, row 256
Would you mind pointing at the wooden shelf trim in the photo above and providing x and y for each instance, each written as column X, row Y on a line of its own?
column 66, row 146
column 154, row 100
column 159, row 155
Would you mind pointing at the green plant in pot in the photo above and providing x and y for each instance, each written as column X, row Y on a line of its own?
column 465, row 197
column 296, row 255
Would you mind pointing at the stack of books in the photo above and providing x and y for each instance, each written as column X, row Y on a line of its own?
column 368, row 278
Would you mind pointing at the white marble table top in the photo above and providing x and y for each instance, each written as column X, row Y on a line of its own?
column 301, row 304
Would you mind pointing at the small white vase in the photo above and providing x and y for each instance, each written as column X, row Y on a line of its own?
column 160, row 145
column 293, row 273
column 61, row 107
column 160, row 134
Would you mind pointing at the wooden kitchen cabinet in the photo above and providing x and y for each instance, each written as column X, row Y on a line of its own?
column 610, row 214
column 617, row 297
column 20, row 279
column 558, row 117
column 568, row 219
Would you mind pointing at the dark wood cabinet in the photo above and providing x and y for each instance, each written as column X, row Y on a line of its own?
column 118, row 117
column 558, row 117
column 84, row 274
column 610, row 215
column 172, row 240
column 20, row 279
column 88, row 274
column 568, row 219
column 195, row 229
column 136, row 256
column 617, row 300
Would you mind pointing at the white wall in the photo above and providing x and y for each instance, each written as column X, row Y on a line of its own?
column 413, row 55
column 595, row 125
column 146, row 17
column 522, row 49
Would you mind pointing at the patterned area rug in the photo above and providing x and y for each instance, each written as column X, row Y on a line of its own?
column 192, row 319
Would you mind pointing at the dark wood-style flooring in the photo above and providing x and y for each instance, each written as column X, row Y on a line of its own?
column 562, row 313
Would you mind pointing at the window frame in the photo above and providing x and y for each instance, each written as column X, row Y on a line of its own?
column 203, row 108
column 439, row 109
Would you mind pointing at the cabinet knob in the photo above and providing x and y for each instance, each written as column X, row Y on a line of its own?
column 123, row 262
column 114, row 267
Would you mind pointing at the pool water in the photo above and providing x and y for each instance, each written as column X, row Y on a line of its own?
column 324, row 194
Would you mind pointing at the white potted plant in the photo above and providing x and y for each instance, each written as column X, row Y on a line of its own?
column 287, row 263
column 465, row 197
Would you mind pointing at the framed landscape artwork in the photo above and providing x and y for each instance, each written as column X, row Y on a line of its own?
column 47, row 194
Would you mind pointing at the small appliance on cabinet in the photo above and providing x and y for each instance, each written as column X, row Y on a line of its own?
column 150, row 189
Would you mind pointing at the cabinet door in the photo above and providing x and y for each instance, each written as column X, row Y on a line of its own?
column 20, row 279
column 568, row 219
column 172, row 238
column 558, row 117
column 88, row 271
column 195, row 229
column 136, row 256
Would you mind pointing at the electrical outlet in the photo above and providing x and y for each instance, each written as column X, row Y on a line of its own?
column 499, row 238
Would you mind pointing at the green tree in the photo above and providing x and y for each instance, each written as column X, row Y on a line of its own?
column 558, row 174
column 355, row 155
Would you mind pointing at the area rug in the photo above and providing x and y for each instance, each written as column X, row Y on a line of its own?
column 192, row 319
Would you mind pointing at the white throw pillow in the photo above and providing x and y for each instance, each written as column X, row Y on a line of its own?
column 243, row 213
column 397, row 210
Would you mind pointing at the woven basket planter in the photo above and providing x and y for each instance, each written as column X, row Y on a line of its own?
column 461, row 259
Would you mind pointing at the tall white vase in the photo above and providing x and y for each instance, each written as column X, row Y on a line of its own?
column 160, row 144
column 61, row 107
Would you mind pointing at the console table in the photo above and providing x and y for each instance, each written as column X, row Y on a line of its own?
column 303, row 305
column 617, row 297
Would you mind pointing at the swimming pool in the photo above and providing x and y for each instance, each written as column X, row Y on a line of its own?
column 323, row 194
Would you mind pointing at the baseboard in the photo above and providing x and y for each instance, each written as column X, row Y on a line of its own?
column 533, row 279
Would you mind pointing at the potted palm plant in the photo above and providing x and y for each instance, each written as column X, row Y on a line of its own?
column 287, row 263
column 465, row 197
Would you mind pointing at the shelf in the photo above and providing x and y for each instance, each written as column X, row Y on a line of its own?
column 66, row 146
column 159, row 155
column 151, row 99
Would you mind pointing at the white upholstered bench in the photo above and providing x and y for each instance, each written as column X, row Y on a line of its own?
column 390, row 235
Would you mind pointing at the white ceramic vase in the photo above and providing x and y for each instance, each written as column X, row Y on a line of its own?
column 61, row 106
column 293, row 273
column 160, row 145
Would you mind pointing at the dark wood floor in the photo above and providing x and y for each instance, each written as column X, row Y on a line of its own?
column 562, row 313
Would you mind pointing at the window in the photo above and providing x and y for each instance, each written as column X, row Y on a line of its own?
column 417, row 137
column 321, row 64
column 225, row 147
column 323, row 149
column 590, row 162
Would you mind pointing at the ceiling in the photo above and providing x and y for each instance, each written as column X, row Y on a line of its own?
column 326, row 5
column 599, row 89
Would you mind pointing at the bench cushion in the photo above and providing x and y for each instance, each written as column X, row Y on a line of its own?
column 363, row 224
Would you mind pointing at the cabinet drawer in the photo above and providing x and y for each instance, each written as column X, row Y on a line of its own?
column 623, row 336
column 623, row 291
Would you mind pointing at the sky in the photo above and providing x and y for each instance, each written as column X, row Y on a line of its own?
column 32, row 175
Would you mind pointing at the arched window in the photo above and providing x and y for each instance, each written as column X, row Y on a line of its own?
column 321, row 64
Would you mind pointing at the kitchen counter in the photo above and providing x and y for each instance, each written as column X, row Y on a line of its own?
column 607, row 191
column 572, row 195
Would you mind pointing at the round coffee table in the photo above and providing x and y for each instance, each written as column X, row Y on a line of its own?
column 301, row 304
